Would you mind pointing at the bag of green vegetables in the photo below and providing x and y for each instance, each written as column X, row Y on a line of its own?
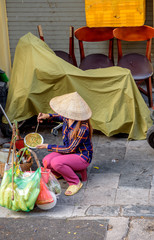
column 24, row 189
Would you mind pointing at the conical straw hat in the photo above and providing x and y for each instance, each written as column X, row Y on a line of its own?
column 72, row 106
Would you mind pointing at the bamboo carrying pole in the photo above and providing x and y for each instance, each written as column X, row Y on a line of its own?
column 13, row 170
column 11, row 144
column 14, row 150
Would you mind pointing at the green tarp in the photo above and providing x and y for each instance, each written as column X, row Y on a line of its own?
column 39, row 75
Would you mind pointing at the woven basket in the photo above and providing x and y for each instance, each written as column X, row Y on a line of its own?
column 2, row 166
column 24, row 166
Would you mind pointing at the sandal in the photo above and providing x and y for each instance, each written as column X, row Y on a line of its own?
column 73, row 189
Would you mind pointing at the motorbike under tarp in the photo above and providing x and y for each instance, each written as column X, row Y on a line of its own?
column 39, row 75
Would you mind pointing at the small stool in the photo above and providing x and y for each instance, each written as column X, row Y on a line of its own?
column 83, row 174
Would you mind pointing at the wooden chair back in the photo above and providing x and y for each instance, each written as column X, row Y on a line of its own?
column 86, row 34
column 70, row 56
column 40, row 31
column 134, row 34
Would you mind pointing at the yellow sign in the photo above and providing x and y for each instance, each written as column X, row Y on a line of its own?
column 115, row 13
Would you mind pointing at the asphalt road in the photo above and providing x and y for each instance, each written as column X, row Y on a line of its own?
column 58, row 229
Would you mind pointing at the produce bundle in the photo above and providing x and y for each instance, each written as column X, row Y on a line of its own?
column 26, row 189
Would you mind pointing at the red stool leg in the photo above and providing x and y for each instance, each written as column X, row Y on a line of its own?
column 83, row 174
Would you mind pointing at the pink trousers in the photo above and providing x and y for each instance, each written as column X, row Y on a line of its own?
column 65, row 165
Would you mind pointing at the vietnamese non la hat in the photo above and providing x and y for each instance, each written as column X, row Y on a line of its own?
column 72, row 106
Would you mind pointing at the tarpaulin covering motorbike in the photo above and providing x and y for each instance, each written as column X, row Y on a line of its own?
column 39, row 75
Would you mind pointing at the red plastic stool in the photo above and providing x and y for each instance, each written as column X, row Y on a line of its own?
column 83, row 174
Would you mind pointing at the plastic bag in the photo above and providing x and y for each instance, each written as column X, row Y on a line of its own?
column 44, row 195
column 26, row 190
column 46, row 198
column 45, row 174
column 53, row 184
column 48, row 206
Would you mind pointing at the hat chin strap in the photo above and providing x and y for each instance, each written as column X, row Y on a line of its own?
column 70, row 122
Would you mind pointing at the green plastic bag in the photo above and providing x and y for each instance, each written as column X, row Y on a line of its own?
column 26, row 190
column 3, row 76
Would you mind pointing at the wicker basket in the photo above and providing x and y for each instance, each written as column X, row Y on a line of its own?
column 2, row 166
column 24, row 166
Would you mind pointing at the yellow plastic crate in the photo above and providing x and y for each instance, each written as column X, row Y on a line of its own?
column 115, row 13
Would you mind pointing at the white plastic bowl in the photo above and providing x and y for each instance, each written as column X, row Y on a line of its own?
column 48, row 206
column 30, row 146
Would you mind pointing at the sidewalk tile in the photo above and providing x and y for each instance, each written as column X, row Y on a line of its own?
column 136, row 166
column 139, row 150
column 119, row 230
column 104, row 211
column 59, row 211
column 138, row 211
column 135, row 180
column 76, row 199
column 108, row 152
column 99, row 196
column 112, row 166
column 103, row 180
column 142, row 229
column 126, row 195
column 80, row 211
column 114, row 140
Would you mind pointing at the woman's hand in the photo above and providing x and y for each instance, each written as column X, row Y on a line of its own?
column 42, row 146
column 42, row 116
